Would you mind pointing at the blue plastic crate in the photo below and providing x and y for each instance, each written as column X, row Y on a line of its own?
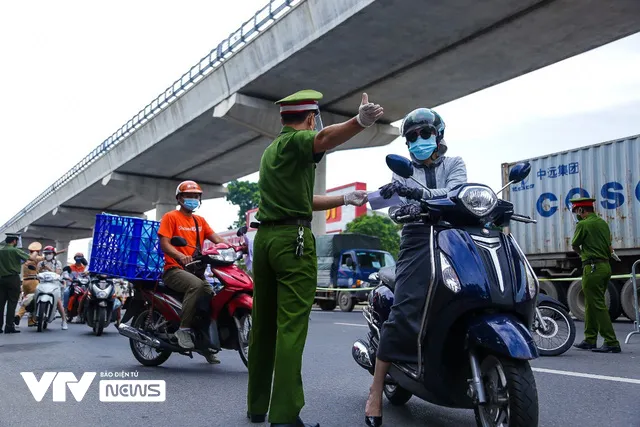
column 126, row 247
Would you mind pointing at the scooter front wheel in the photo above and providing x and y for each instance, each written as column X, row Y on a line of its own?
column 397, row 395
column 243, row 326
column 512, row 396
column 42, row 316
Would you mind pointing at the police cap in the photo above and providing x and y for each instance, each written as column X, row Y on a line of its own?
column 304, row 100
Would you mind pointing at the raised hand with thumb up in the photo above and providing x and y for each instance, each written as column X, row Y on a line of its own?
column 368, row 113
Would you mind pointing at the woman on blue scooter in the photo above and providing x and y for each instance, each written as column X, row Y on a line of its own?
column 423, row 130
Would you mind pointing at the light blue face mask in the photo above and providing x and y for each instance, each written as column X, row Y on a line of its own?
column 191, row 204
column 422, row 149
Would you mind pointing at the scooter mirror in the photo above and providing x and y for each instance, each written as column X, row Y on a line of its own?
column 178, row 241
column 519, row 172
column 401, row 166
column 242, row 231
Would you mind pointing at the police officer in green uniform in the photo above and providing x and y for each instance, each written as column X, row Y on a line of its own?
column 11, row 258
column 284, row 256
column 592, row 241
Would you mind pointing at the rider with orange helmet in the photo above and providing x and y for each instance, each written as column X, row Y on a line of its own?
column 194, row 229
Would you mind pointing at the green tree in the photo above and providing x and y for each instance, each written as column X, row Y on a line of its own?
column 378, row 226
column 246, row 196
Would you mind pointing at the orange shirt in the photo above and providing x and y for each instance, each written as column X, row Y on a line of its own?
column 176, row 223
column 77, row 268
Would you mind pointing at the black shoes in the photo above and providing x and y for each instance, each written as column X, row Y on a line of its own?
column 298, row 423
column 373, row 421
column 256, row 418
column 585, row 346
column 607, row 349
column 11, row 331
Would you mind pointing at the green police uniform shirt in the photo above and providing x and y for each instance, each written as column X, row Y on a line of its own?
column 287, row 176
column 11, row 260
column 594, row 238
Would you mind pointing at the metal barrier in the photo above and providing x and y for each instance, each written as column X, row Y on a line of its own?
column 249, row 30
column 636, row 323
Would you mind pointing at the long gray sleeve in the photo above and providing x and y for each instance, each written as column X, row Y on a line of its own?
column 449, row 173
column 455, row 173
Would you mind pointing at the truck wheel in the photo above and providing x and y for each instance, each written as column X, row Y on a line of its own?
column 326, row 305
column 346, row 301
column 550, row 289
column 575, row 300
column 626, row 298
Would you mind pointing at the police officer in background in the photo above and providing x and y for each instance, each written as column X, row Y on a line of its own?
column 11, row 258
column 284, row 263
column 592, row 241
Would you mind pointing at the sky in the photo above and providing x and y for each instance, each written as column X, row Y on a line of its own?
column 76, row 71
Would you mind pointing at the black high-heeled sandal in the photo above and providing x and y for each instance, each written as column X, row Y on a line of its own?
column 373, row 421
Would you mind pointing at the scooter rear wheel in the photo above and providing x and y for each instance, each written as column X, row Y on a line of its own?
column 512, row 396
column 144, row 353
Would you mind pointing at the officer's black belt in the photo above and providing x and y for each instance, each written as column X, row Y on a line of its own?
column 288, row 221
column 594, row 261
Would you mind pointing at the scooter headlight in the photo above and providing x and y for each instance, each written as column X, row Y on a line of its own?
column 478, row 200
column 225, row 255
column 102, row 294
column 449, row 275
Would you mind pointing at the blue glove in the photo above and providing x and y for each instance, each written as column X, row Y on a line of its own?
column 386, row 191
column 413, row 211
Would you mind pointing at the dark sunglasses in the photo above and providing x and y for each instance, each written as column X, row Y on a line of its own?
column 424, row 133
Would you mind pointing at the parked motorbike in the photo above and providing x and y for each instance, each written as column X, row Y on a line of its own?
column 553, row 328
column 474, row 343
column 98, row 303
column 45, row 299
column 223, row 320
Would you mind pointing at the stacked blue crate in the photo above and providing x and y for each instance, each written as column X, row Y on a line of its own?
column 126, row 247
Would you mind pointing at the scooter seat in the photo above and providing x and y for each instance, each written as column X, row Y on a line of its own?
column 167, row 290
column 388, row 276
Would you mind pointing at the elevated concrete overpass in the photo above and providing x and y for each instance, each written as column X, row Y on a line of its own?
column 213, row 124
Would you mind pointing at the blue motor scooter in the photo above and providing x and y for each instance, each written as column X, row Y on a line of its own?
column 475, row 342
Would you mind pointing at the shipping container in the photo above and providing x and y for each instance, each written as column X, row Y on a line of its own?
column 608, row 172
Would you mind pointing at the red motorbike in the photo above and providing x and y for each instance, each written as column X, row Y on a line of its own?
column 222, row 320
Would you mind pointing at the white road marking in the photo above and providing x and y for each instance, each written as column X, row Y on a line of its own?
column 592, row 376
column 351, row 324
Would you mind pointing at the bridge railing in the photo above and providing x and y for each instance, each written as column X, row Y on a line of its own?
column 249, row 30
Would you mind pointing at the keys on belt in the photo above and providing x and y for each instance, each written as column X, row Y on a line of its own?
column 300, row 242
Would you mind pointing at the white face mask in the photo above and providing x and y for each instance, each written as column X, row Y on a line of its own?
column 48, row 257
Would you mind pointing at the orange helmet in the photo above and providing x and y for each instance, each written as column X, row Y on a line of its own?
column 188, row 187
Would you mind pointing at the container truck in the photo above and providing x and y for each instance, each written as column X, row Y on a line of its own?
column 608, row 172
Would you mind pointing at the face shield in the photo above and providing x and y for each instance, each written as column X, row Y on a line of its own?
column 318, row 120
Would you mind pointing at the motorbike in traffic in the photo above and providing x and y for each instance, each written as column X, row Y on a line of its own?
column 222, row 320
column 45, row 299
column 78, row 288
column 474, row 343
column 98, row 303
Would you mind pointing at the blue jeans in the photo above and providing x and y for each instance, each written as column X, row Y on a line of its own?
column 67, row 295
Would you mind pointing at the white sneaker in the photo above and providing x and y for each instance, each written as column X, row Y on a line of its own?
column 64, row 326
column 211, row 358
column 184, row 338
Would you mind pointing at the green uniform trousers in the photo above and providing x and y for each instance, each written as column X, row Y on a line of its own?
column 284, row 291
column 596, row 316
